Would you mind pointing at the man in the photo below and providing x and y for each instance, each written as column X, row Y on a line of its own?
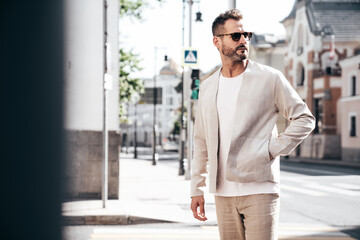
column 235, row 136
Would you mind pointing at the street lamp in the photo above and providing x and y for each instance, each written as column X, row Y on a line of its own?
column 155, row 156
column 183, row 128
column 135, row 130
column 198, row 17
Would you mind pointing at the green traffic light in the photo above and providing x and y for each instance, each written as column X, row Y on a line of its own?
column 195, row 94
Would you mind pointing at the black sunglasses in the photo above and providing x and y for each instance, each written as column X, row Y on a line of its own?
column 237, row 35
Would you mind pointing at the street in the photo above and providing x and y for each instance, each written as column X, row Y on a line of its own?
column 320, row 194
column 317, row 202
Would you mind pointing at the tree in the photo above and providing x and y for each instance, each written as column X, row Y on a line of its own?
column 132, row 8
column 130, row 87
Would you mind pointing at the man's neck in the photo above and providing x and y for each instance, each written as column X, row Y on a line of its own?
column 233, row 69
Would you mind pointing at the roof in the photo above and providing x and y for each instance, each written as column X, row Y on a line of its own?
column 266, row 40
column 171, row 68
column 292, row 13
column 352, row 60
column 334, row 17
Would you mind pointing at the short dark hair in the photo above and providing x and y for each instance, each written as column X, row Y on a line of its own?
column 223, row 17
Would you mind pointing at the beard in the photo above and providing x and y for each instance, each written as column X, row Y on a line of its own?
column 232, row 53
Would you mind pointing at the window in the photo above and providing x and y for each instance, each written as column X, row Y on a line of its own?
column 307, row 37
column 300, row 37
column 169, row 101
column 300, row 78
column 353, row 126
column 353, row 86
column 148, row 96
column 300, row 41
column 318, row 115
column 169, row 89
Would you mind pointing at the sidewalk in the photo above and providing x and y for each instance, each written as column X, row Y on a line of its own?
column 329, row 162
column 156, row 194
column 148, row 194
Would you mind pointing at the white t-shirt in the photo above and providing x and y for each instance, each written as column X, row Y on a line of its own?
column 226, row 100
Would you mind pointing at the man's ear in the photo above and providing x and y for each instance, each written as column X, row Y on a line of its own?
column 216, row 42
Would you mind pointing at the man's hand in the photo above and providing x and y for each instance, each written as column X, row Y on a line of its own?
column 197, row 207
column 270, row 156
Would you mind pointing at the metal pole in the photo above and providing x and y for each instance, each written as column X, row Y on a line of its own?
column 182, row 124
column 127, row 131
column 135, row 131
column 189, row 123
column 104, row 193
column 190, row 20
column 182, row 129
column 232, row 4
column 183, row 24
column 189, row 110
column 154, row 156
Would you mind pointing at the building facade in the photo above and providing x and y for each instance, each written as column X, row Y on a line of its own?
column 167, row 108
column 270, row 50
column 319, row 34
column 84, row 81
column 349, row 109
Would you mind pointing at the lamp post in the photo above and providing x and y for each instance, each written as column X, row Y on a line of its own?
column 183, row 128
column 135, row 130
column 104, row 192
column 232, row 4
column 155, row 156
column 182, row 124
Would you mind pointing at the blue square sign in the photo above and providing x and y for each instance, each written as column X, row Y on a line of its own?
column 190, row 57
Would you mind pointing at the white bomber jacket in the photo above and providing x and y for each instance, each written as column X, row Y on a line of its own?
column 263, row 94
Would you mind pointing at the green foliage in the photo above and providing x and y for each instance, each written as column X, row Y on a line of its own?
column 131, row 8
column 130, row 87
column 177, row 123
column 176, row 128
column 179, row 87
column 123, row 113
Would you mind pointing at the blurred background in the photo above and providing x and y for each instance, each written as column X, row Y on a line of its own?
column 98, row 106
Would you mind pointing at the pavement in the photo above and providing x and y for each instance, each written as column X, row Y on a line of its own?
column 157, row 194
column 148, row 194
column 329, row 162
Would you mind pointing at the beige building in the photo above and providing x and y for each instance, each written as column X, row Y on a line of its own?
column 167, row 107
column 269, row 50
column 349, row 109
column 319, row 34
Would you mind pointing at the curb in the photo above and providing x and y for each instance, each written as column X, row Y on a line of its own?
column 108, row 220
column 334, row 162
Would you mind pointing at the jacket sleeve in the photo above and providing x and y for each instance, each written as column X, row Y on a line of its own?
column 295, row 110
column 200, row 159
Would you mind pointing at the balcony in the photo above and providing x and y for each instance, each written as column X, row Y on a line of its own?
column 328, row 71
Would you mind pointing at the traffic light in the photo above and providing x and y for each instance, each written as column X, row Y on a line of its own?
column 195, row 84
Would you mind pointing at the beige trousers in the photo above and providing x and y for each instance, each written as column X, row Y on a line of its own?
column 253, row 217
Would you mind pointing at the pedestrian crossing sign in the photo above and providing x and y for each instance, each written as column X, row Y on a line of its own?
column 190, row 57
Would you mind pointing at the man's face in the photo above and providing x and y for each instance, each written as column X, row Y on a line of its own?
column 236, row 50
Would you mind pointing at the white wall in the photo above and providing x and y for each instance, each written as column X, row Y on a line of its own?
column 165, row 113
column 113, row 39
column 84, row 64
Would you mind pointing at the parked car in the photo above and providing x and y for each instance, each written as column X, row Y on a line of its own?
column 171, row 146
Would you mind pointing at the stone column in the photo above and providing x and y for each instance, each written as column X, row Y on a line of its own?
column 84, row 71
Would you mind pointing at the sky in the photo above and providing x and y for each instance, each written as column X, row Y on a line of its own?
column 160, row 32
